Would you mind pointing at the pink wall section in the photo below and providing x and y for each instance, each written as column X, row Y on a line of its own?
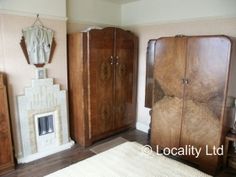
column 13, row 63
column 212, row 26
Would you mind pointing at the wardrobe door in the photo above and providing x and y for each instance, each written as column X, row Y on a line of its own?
column 205, row 95
column 169, row 71
column 125, row 78
column 100, row 86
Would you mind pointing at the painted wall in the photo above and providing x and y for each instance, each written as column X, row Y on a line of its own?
column 85, row 13
column 165, row 18
column 55, row 8
column 147, row 32
column 168, row 18
column 151, row 19
column 152, row 11
column 15, row 16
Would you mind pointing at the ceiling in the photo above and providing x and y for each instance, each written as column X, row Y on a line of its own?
column 122, row 1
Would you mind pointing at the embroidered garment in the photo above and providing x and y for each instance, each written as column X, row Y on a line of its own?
column 38, row 41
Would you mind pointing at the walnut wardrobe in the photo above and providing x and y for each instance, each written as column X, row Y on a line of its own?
column 102, row 83
column 190, row 91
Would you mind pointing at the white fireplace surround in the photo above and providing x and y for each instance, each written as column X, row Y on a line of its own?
column 42, row 99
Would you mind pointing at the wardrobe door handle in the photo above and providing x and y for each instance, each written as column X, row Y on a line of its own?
column 111, row 59
column 185, row 81
column 117, row 60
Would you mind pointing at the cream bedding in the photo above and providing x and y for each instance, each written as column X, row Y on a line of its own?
column 128, row 160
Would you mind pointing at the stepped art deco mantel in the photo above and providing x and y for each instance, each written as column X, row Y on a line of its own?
column 43, row 118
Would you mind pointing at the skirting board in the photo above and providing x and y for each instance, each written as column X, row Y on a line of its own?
column 39, row 155
column 142, row 127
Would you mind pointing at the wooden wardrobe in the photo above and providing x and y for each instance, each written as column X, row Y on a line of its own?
column 6, row 149
column 102, row 83
column 190, row 90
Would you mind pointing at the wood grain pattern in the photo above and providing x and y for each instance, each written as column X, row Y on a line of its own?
column 77, row 91
column 207, row 67
column 201, row 129
column 166, row 122
column 6, row 149
column 203, row 62
column 207, row 72
column 150, row 55
column 63, row 159
column 101, row 48
column 169, row 70
column 102, row 83
column 125, row 78
column 170, row 66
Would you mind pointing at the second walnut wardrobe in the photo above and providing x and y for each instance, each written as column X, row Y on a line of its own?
column 190, row 78
column 102, row 83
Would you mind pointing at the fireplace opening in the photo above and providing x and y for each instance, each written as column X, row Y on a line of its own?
column 45, row 125
column 46, row 130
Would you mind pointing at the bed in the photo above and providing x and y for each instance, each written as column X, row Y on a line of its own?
column 129, row 159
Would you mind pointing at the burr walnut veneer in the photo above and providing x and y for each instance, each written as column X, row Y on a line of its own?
column 150, row 55
column 102, row 83
column 190, row 78
column 6, row 149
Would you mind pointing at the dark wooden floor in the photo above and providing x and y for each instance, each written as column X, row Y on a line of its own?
column 63, row 159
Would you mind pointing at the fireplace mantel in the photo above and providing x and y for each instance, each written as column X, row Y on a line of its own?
column 43, row 97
